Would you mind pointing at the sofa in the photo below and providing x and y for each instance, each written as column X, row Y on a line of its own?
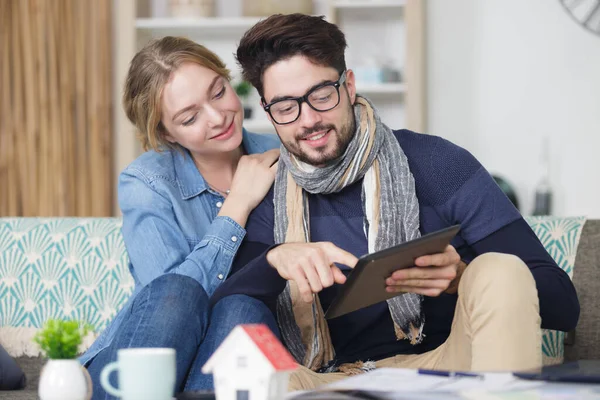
column 77, row 268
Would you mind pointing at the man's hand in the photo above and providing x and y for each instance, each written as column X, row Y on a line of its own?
column 431, row 275
column 310, row 265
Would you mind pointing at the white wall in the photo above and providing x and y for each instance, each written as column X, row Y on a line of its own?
column 504, row 73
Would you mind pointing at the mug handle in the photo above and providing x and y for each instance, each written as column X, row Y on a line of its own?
column 88, row 381
column 108, row 369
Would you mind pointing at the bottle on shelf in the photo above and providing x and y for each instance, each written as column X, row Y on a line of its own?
column 543, row 190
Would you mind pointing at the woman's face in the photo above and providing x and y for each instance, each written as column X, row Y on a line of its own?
column 201, row 112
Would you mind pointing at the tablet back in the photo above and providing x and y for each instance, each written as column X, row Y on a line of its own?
column 365, row 285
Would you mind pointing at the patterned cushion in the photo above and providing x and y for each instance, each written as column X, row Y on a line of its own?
column 560, row 237
column 75, row 268
column 68, row 268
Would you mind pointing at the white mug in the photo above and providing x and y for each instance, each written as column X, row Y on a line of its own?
column 144, row 374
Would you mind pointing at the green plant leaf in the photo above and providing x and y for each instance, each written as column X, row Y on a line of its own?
column 60, row 339
column 243, row 89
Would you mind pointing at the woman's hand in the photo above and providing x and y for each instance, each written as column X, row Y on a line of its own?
column 253, row 178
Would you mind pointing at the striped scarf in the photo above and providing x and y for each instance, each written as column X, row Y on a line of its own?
column 391, row 217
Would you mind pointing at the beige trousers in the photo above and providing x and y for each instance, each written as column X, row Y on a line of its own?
column 496, row 325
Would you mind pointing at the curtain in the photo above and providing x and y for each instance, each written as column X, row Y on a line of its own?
column 55, row 108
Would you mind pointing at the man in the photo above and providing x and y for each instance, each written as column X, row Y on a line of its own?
column 348, row 185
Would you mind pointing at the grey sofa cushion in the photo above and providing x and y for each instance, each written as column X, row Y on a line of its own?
column 586, row 278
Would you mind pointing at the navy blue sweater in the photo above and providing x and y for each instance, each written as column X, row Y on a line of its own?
column 452, row 188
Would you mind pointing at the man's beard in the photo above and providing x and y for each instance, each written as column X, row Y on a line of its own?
column 342, row 136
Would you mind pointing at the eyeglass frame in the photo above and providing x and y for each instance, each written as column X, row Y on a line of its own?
column 304, row 99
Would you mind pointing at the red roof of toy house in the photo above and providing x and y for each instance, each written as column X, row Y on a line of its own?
column 270, row 346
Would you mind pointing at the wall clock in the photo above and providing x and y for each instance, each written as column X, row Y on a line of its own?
column 585, row 12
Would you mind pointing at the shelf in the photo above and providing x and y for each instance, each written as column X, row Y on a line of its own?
column 368, row 4
column 257, row 125
column 381, row 88
column 234, row 25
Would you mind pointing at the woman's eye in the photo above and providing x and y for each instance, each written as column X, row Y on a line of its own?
column 189, row 121
column 221, row 93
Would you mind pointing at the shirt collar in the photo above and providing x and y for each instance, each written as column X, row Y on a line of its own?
column 188, row 178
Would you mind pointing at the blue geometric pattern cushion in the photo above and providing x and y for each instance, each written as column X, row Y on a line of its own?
column 560, row 237
column 67, row 268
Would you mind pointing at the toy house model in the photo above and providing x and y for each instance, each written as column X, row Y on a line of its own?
column 250, row 364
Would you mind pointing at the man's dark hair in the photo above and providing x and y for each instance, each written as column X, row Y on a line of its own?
column 283, row 36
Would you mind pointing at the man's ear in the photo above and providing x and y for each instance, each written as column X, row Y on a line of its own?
column 351, row 85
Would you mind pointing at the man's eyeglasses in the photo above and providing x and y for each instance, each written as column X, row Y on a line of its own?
column 322, row 98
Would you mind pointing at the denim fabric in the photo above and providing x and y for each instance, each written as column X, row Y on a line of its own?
column 170, row 224
column 173, row 311
column 226, row 314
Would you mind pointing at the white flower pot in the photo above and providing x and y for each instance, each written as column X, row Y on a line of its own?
column 64, row 380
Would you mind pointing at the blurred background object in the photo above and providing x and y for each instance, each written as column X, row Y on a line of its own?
column 192, row 8
column 495, row 77
column 261, row 8
column 543, row 190
column 244, row 91
column 585, row 12
column 507, row 189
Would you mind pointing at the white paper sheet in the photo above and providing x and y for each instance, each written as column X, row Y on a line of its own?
column 409, row 380
column 396, row 384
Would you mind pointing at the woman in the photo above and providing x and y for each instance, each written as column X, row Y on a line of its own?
column 185, row 204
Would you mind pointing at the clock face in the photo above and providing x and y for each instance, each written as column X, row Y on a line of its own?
column 585, row 12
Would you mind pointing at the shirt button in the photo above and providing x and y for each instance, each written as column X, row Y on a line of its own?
column 219, row 204
column 220, row 276
column 234, row 238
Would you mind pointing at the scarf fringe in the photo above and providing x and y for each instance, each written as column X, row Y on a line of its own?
column 415, row 335
column 357, row 368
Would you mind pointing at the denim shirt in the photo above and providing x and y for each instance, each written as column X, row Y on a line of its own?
column 170, row 224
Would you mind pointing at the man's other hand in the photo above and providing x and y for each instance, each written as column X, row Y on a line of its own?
column 431, row 275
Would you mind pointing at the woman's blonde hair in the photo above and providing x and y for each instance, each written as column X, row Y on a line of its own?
column 149, row 72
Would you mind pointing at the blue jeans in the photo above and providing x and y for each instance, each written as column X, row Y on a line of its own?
column 173, row 311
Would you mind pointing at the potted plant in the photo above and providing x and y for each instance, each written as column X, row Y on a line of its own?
column 63, row 377
column 243, row 90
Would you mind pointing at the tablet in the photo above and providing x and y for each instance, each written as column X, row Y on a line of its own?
column 365, row 285
column 582, row 371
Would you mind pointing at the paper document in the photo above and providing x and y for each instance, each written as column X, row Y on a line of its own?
column 410, row 380
column 396, row 383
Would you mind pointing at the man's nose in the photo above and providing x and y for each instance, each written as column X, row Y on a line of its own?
column 308, row 116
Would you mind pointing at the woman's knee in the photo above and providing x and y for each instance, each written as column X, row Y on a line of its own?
column 242, row 303
column 242, row 309
column 179, row 286
column 179, row 296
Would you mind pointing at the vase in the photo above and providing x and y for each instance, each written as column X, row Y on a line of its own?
column 192, row 8
column 259, row 8
column 64, row 380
